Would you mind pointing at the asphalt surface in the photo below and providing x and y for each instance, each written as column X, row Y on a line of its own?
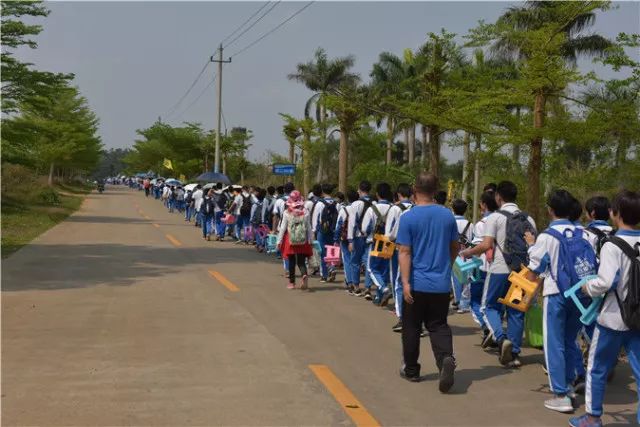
column 123, row 315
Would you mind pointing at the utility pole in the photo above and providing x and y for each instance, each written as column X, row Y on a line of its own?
column 220, row 61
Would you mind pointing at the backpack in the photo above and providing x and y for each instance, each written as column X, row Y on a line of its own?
column 381, row 220
column 220, row 201
column 367, row 204
column 209, row 205
column 462, row 237
column 601, row 236
column 515, row 251
column 245, row 209
column 630, row 305
column 188, row 197
column 344, row 228
column 576, row 257
column 297, row 229
column 267, row 206
column 329, row 217
column 257, row 213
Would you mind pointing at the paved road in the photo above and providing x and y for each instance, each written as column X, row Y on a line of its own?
column 119, row 316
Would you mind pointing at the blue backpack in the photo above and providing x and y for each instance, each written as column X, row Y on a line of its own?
column 576, row 257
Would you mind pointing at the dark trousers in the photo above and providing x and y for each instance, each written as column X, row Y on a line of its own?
column 431, row 310
column 300, row 260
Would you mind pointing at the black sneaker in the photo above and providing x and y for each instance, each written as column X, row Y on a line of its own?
column 423, row 333
column 367, row 295
column 332, row 276
column 579, row 385
column 506, row 353
column 323, row 280
column 358, row 292
column 515, row 362
column 413, row 379
column 446, row 374
column 398, row 326
column 487, row 340
column 351, row 289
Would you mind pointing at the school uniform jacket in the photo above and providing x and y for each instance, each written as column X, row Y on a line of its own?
column 393, row 219
column 371, row 217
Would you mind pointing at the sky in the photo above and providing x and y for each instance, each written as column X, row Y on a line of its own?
column 134, row 60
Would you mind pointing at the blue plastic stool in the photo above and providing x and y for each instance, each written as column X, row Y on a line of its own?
column 465, row 270
column 272, row 240
column 316, row 245
column 589, row 314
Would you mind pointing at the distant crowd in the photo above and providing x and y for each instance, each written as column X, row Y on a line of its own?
column 402, row 244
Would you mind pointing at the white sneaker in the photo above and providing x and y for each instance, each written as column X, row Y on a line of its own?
column 560, row 404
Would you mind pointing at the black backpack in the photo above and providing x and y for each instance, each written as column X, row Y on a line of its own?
column 245, row 209
column 630, row 305
column 462, row 237
column 381, row 220
column 515, row 251
column 267, row 206
column 209, row 205
column 329, row 217
column 188, row 197
column 602, row 237
column 220, row 201
column 344, row 229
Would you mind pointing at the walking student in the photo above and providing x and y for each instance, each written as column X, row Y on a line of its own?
column 324, row 215
column 357, row 242
column 461, row 291
column 428, row 245
column 505, row 231
column 618, row 324
column 341, row 231
column 294, row 239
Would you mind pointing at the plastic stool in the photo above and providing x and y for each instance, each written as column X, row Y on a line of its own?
column 382, row 247
column 248, row 233
column 316, row 245
column 333, row 255
column 522, row 292
column 272, row 241
column 589, row 314
column 262, row 231
column 229, row 219
column 465, row 270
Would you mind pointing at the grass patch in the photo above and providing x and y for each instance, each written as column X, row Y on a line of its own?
column 28, row 213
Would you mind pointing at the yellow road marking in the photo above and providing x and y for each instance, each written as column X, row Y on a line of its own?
column 350, row 404
column 156, row 225
column 224, row 281
column 173, row 240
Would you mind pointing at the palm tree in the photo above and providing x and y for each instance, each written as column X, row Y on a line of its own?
column 294, row 129
column 322, row 76
column 546, row 32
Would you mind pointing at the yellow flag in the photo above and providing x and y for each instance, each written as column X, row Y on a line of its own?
column 167, row 164
column 183, row 178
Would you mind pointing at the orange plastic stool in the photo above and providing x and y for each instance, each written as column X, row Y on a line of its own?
column 382, row 247
column 522, row 292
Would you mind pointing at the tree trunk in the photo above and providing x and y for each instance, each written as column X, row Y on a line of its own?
column 292, row 152
column 425, row 147
column 206, row 162
column 50, row 180
column 389, row 140
column 241, row 177
column 476, row 178
column 411, row 145
column 323, row 141
column 535, row 158
column 434, row 143
column 405, row 152
column 306, row 165
column 224, row 164
column 342, row 161
column 465, row 165
column 515, row 153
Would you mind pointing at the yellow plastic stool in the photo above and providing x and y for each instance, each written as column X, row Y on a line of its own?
column 521, row 293
column 382, row 247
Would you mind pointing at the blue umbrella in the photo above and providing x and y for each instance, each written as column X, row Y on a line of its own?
column 214, row 177
column 173, row 182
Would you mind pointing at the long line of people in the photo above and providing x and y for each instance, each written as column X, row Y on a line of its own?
column 301, row 231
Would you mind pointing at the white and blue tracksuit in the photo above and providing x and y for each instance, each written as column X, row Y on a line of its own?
column 461, row 291
column 343, row 216
column 323, row 236
column 391, row 231
column 561, row 318
column 477, row 287
column 360, row 253
column 378, row 268
column 611, row 334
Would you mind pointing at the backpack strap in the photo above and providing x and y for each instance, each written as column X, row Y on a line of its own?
column 631, row 252
column 466, row 228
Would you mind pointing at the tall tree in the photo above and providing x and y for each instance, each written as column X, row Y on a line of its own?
column 322, row 76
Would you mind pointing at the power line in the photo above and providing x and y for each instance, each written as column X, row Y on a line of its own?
column 299, row 11
column 254, row 23
column 245, row 22
column 182, row 98
column 204, row 90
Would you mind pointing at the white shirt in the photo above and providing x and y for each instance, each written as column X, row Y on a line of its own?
column 355, row 215
column 393, row 219
column 237, row 204
column 343, row 213
column 614, row 270
column 478, row 231
column 543, row 256
column 600, row 225
column 496, row 228
column 197, row 199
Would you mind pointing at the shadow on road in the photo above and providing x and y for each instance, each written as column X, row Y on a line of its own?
column 82, row 266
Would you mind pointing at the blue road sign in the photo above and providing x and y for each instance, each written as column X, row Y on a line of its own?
column 284, row 169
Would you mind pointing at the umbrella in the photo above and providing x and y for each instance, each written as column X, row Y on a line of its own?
column 189, row 187
column 208, row 186
column 172, row 182
column 153, row 181
column 214, row 177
